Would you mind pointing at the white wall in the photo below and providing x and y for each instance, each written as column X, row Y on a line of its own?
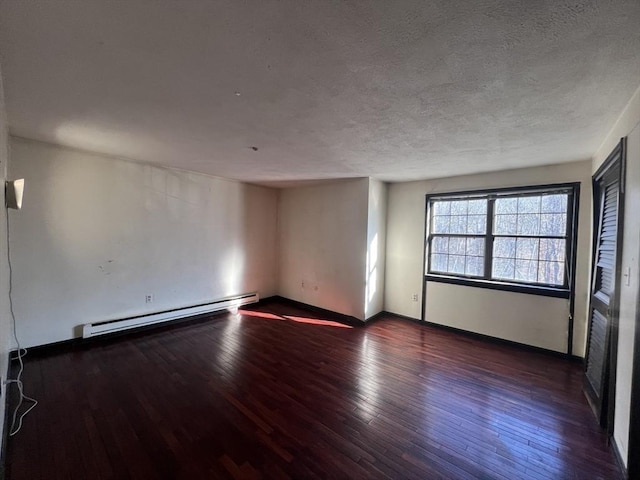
column 519, row 317
column 96, row 234
column 323, row 234
column 376, row 246
column 627, row 125
column 506, row 315
column 6, row 328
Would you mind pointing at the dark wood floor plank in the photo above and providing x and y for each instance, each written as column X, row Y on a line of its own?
column 256, row 395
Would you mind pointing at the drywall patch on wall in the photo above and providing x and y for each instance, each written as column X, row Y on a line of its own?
column 96, row 235
column 405, row 253
column 323, row 234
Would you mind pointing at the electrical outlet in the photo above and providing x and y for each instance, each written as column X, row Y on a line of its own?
column 415, row 297
column 148, row 298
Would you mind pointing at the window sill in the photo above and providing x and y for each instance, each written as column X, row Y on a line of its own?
column 504, row 286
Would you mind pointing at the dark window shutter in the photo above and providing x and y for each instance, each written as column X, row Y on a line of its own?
column 607, row 243
column 597, row 350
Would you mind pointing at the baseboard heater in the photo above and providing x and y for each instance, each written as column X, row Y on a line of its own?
column 111, row 326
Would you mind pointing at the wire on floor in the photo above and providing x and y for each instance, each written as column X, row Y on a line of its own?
column 21, row 353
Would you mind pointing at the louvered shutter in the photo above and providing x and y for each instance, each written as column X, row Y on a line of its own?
column 604, row 283
column 597, row 350
column 602, row 341
column 607, row 244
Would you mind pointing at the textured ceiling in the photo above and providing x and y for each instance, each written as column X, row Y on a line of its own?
column 395, row 90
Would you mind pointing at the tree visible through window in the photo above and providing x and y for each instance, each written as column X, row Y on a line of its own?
column 531, row 237
column 502, row 236
column 459, row 228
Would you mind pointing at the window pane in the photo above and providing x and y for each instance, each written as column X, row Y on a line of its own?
column 474, row 266
column 505, row 224
column 459, row 207
column 529, row 204
column 527, row 248
column 503, row 268
column 506, row 205
column 526, row 270
column 476, row 207
column 441, row 224
column 551, row 273
column 475, row 246
column 458, row 255
column 440, row 245
column 456, row 264
column 441, row 208
column 476, row 224
column 554, row 203
column 528, row 224
column 554, row 224
column 458, row 224
column 552, row 249
column 438, row 262
column 457, row 246
column 504, row 247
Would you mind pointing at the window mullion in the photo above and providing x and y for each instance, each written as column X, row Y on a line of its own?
column 488, row 243
column 570, row 244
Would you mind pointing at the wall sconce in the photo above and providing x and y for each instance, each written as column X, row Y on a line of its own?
column 13, row 193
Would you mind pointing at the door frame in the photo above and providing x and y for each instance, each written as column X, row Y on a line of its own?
column 633, row 452
column 606, row 410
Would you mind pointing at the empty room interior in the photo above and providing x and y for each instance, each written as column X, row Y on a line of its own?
column 284, row 239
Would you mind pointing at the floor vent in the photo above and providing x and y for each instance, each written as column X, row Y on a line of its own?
column 110, row 326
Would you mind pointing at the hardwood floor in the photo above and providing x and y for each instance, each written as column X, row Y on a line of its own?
column 259, row 395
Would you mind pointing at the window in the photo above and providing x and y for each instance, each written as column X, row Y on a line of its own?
column 511, row 239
